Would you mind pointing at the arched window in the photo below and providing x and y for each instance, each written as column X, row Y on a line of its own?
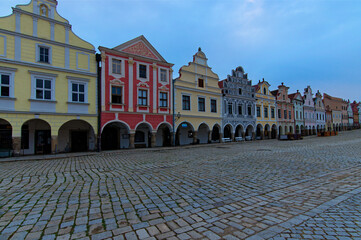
column 264, row 91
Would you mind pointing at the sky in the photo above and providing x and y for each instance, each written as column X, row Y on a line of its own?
column 298, row 42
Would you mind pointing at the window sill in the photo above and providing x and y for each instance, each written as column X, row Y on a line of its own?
column 145, row 106
column 117, row 104
column 164, row 107
column 49, row 63
column 7, row 98
column 42, row 100
column 79, row 103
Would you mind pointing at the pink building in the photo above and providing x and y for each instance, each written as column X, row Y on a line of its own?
column 309, row 111
column 285, row 115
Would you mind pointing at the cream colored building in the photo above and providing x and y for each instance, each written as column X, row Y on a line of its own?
column 197, row 103
column 48, row 89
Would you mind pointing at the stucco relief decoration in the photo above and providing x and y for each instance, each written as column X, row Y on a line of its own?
column 164, row 88
column 43, row 10
column 140, row 49
column 116, row 82
column 144, row 85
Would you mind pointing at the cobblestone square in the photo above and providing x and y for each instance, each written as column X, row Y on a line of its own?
column 306, row 189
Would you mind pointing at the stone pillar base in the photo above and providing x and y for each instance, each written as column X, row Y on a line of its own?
column 131, row 140
column 54, row 144
column 16, row 146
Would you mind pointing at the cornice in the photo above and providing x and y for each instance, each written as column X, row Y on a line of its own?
column 197, row 90
column 46, row 41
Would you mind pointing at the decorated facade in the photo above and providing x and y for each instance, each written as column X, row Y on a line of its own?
column 354, row 106
column 333, row 106
column 198, row 107
column 48, row 83
column 238, row 99
column 284, row 110
column 344, row 124
column 136, row 83
column 297, row 100
column 309, row 111
column 320, row 113
column 350, row 116
column 266, row 110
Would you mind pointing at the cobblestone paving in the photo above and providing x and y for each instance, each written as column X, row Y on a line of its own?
column 252, row 190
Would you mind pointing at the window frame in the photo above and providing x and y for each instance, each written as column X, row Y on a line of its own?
column 273, row 112
column 213, row 105
column 50, row 55
column 142, row 97
column 146, row 69
column 188, row 101
column 11, row 75
column 258, row 111
column 265, row 112
column 199, row 104
column 230, row 107
column 121, row 94
column 162, row 100
column 122, row 67
column 166, row 75
column 200, row 80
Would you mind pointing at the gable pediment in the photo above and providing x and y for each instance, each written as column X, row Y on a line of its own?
column 140, row 47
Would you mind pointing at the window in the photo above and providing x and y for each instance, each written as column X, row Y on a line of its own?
column 142, row 97
column 240, row 109
column 163, row 75
column 285, row 114
column 265, row 110
column 296, row 114
column 272, row 113
column 289, row 115
column 279, row 113
column 43, row 89
column 284, row 98
column 117, row 95
column 116, row 66
column 78, row 92
column 186, row 102
column 44, row 54
column 201, row 104
column 249, row 110
column 213, row 105
column 200, row 82
column 139, row 136
column 142, row 71
column 230, row 108
column 258, row 111
column 163, row 99
column 5, row 85
column 240, row 91
column 264, row 91
column 306, row 115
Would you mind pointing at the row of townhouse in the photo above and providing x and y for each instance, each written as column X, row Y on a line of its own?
column 58, row 95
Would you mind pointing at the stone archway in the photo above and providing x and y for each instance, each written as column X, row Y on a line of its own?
column 184, row 134
column 216, row 133
column 36, row 137
column 76, row 136
column 203, row 133
column 6, row 140
column 249, row 132
column 259, row 132
column 291, row 129
column 163, row 136
column 115, row 135
column 267, row 132
column 297, row 129
column 143, row 136
column 227, row 131
column 274, row 131
column 239, row 131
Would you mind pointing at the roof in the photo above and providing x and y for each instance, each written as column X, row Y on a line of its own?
column 274, row 92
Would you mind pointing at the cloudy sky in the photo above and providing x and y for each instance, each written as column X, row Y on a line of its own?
column 300, row 43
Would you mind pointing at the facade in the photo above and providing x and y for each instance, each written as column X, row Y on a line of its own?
column 297, row 100
column 309, row 111
column 266, row 110
column 350, row 116
column 333, row 105
column 359, row 112
column 320, row 113
column 48, row 83
column 198, row 105
column 136, row 83
column 238, row 99
column 285, row 120
column 354, row 106
column 344, row 115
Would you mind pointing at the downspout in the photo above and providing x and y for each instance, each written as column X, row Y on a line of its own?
column 173, row 98
column 99, row 69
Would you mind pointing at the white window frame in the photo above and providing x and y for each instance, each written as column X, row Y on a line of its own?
column 190, row 102
column 11, row 82
column 122, row 67
column 70, row 90
column 143, row 89
column 38, row 46
column 147, row 66
column 33, row 86
column 167, row 75
column 110, row 95
column 210, row 105
column 205, row 106
column 167, row 99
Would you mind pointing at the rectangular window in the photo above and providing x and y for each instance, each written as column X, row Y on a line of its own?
column 289, row 115
column 213, row 105
column 43, row 89
column 240, row 109
column 117, row 95
column 5, row 85
column 43, row 54
column 296, row 114
column 186, row 102
column 163, row 97
column 240, row 91
column 285, row 114
column 200, row 83
column 78, row 92
column 142, row 97
column 249, row 110
column 265, row 110
column 230, row 108
column 163, row 75
column 201, row 104
column 258, row 111
column 279, row 113
column 142, row 71
column 272, row 113
column 116, row 66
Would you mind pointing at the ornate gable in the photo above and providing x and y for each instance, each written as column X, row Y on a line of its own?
column 140, row 47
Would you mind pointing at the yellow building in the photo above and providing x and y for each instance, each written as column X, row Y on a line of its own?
column 197, row 103
column 266, row 111
column 48, row 83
